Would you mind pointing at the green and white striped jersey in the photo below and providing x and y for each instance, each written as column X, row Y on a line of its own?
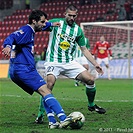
column 78, row 52
column 63, row 41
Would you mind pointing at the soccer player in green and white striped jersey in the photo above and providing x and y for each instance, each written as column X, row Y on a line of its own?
column 63, row 41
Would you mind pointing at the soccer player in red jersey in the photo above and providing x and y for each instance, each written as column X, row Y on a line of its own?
column 103, row 53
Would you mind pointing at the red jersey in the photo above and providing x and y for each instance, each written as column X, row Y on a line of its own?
column 102, row 49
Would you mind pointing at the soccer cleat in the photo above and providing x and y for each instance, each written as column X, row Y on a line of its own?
column 109, row 79
column 39, row 120
column 76, row 84
column 69, row 120
column 97, row 109
column 54, row 125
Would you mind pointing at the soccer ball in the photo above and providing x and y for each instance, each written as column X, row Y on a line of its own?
column 77, row 124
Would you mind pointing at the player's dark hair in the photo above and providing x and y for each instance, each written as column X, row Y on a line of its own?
column 72, row 8
column 36, row 15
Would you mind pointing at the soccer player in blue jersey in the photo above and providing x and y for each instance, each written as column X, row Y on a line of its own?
column 19, row 45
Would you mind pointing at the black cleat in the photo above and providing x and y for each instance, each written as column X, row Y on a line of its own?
column 76, row 84
column 39, row 120
column 97, row 109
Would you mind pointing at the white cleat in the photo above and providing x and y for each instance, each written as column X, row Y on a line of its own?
column 54, row 125
column 69, row 120
column 109, row 79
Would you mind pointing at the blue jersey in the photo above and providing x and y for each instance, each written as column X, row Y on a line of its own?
column 22, row 69
column 22, row 44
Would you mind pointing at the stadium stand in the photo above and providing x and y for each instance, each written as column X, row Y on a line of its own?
column 6, row 4
column 87, row 13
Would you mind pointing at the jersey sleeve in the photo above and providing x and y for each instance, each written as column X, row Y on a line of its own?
column 80, row 38
column 50, row 28
column 48, row 25
column 9, row 41
column 87, row 43
column 23, row 36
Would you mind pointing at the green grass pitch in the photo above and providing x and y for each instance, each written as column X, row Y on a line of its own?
column 18, row 110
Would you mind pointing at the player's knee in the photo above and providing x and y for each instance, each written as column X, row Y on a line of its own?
column 43, row 90
column 90, row 82
column 50, row 85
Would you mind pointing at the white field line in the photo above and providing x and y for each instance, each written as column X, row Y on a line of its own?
column 70, row 99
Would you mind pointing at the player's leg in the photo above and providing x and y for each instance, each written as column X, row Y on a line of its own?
column 43, row 107
column 49, row 101
column 52, row 105
column 28, row 83
column 50, row 115
column 106, row 61
column 91, row 88
column 40, row 115
column 90, row 92
column 33, row 81
column 80, row 73
column 76, row 83
column 108, row 71
column 50, row 84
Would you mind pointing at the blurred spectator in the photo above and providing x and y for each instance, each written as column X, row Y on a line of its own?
column 127, row 6
column 100, row 18
column 121, row 2
column 6, row 4
column 93, row 1
column 122, row 13
column 2, row 6
column 82, row 2
column 105, row 1
column 27, row 4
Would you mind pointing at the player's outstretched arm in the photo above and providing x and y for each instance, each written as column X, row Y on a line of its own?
column 89, row 56
column 50, row 24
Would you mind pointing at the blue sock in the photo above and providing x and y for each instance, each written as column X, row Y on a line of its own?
column 49, row 113
column 54, row 105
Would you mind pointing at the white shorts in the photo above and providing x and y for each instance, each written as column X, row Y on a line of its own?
column 70, row 70
column 81, row 60
column 105, row 60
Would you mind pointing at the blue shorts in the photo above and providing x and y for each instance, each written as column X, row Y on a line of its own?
column 25, row 77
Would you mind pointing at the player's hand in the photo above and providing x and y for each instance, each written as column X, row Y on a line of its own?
column 6, row 51
column 56, row 24
column 99, row 69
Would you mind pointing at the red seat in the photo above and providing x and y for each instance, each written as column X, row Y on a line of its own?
column 99, row 12
column 99, row 6
column 94, row 12
column 93, row 18
column 90, row 12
